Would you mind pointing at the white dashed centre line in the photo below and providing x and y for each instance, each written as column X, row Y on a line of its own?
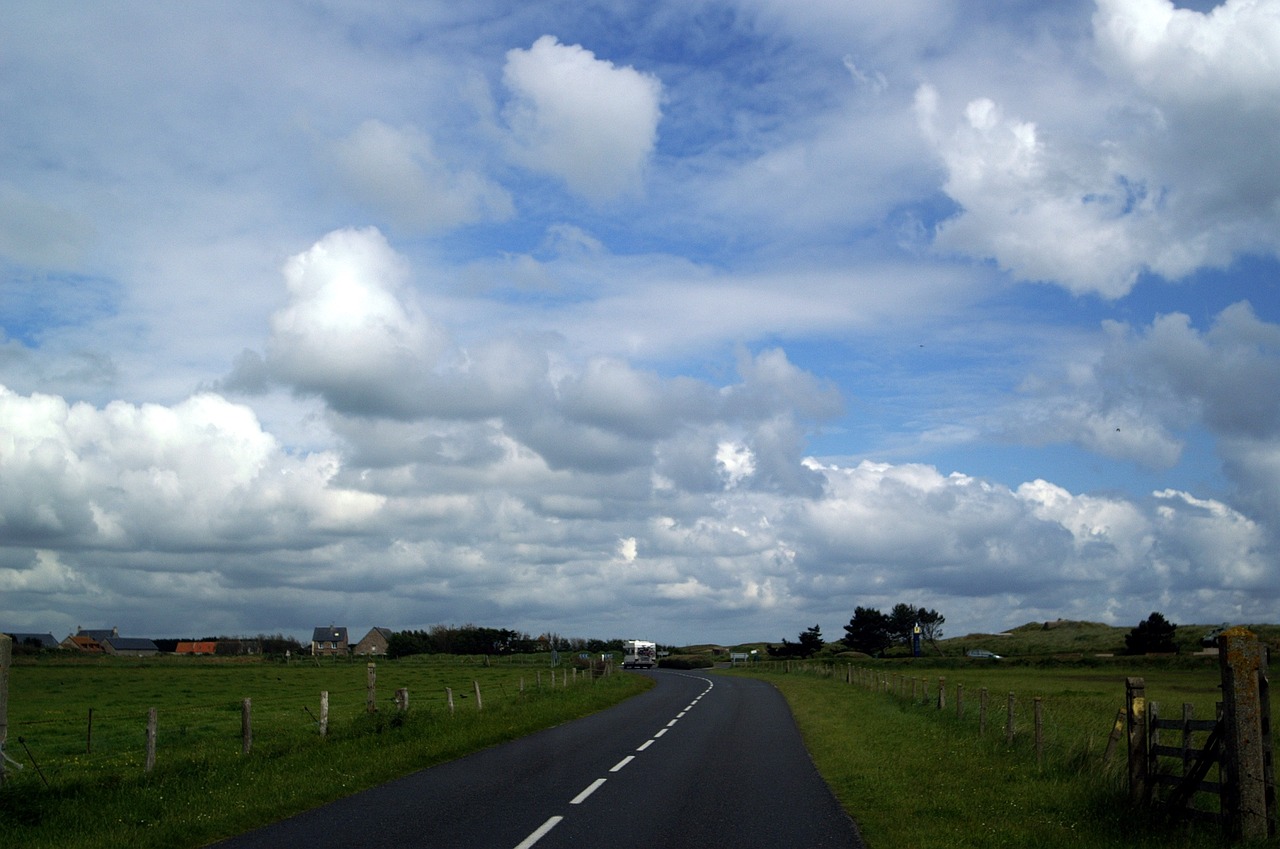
column 539, row 834
column 582, row 797
column 551, row 823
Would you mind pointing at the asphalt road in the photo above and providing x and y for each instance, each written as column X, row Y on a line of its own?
column 700, row 761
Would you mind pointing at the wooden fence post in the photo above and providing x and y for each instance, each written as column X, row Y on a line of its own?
column 1117, row 731
column 324, row 713
column 371, row 687
column 959, row 701
column 1244, row 677
column 1039, row 714
column 1135, row 690
column 246, row 726
column 402, row 699
column 479, row 703
column 1188, row 715
column 1008, row 722
column 6, row 659
column 983, row 697
column 1153, row 738
column 152, row 728
column 448, row 694
column 942, row 693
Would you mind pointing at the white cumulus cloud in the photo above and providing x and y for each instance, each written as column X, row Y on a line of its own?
column 582, row 119
column 351, row 330
column 202, row 472
column 1185, row 174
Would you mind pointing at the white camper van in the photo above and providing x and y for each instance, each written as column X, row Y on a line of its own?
column 639, row 654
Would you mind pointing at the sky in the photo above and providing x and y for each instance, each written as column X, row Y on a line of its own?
column 684, row 320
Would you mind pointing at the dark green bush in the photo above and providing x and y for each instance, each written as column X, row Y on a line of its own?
column 695, row 661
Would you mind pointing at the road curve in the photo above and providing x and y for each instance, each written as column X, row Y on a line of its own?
column 698, row 761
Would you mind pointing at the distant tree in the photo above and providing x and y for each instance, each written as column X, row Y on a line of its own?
column 868, row 631
column 278, row 644
column 1152, row 635
column 811, row 641
column 28, row 645
column 902, row 623
column 930, row 622
column 232, row 646
column 407, row 643
column 784, row 649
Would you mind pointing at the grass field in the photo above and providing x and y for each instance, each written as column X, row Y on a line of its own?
column 913, row 776
column 92, row 791
column 917, row 777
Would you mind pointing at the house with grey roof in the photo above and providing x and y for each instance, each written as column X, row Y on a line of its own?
column 373, row 643
column 330, row 641
column 130, row 646
column 37, row 641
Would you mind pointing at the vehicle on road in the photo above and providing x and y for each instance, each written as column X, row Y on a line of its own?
column 639, row 654
column 983, row 653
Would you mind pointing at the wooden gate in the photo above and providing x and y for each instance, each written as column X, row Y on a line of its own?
column 1185, row 766
column 1230, row 757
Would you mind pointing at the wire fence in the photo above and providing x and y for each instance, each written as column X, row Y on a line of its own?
column 77, row 722
column 1059, row 731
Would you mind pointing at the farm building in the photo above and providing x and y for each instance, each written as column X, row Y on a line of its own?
column 374, row 642
column 89, row 640
column 130, row 646
column 39, row 641
column 330, row 641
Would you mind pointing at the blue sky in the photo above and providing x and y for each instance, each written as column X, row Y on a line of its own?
column 691, row 321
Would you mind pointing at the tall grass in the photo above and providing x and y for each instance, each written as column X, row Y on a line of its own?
column 916, row 777
column 203, row 788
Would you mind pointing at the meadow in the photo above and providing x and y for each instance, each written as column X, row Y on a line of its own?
column 78, row 727
column 918, row 777
column 912, row 775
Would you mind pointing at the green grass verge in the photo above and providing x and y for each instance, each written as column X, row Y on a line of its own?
column 203, row 789
column 915, row 777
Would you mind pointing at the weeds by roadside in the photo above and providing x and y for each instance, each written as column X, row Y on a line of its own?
column 202, row 793
column 915, row 777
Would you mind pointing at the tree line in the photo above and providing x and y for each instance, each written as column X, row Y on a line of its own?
column 872, row 632
column 474, row 639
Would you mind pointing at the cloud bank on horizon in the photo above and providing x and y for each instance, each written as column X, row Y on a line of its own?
column 689, row 321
